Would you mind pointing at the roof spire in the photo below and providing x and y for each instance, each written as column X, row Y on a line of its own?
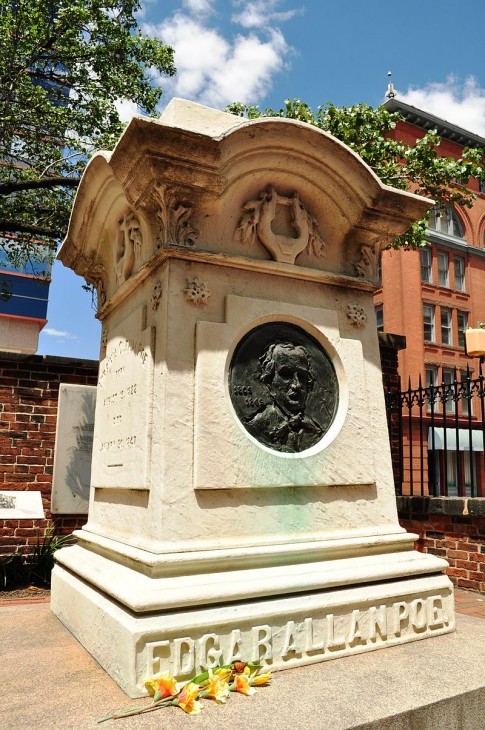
column 390, row 93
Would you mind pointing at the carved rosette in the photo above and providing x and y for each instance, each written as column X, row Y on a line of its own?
column 367, row 265
column 156, row 295
column 257, row 223
column 129, row 246
column 174, row 217
column 356, row 315
column 197, row 292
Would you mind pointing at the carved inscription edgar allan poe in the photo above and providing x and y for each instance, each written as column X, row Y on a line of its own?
column 283, row 387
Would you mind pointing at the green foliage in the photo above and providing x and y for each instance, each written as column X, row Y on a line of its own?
column 63, row 65
column 419, row 168
column 17, row 571
column 41, row 562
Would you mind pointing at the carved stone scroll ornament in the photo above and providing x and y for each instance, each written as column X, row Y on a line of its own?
column 356, row 315
column 258, row 222
column 174, row 216
column 367, row 265
column 156, row 295
column 197, row 292
column 128, row 248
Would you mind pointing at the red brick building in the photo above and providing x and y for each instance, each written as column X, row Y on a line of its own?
column 431, row 296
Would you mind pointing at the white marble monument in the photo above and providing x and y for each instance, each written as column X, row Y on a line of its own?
column 242, row 501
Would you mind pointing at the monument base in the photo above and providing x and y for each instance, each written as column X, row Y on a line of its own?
column 281, row 631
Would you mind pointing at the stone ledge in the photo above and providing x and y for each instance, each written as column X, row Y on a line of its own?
column 48, row 360
column 453, row 506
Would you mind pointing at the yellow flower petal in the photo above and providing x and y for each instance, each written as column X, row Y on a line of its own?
column 187, row 699
column 261, row 679
column 241, row 684
column 163, row 684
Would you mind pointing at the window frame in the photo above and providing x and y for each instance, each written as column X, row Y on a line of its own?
column 444, row 272
column 446, row 327
column 426, row 253
column 459, row 277
column 380, row 317
column 461, row 329
column 431, row 324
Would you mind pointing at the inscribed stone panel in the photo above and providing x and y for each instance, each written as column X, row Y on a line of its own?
column 123, row 409
column 74, row 448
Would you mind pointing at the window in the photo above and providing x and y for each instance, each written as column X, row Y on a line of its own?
column 481, row 185
column 443, row 269
column 459, row 273
column 448, row 380
column 444, row 220
column 380, row 318
column 428, row 318
column 426, row 270
column 462, row 318
column 446, row 333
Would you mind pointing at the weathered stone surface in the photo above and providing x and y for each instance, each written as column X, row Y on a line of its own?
column 240, row 508
column 74, row 448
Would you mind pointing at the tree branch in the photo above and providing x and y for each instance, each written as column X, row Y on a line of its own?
column 48, row 182
column 7, row 226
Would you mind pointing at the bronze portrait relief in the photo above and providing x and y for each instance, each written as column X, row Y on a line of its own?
column 283, row 387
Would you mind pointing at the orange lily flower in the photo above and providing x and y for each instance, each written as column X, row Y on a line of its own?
column 164, row 685
column 218, row 687
column 187, row 699
column 242, row 685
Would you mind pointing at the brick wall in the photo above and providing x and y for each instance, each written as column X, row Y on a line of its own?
column 452, row 528
column 29, row 389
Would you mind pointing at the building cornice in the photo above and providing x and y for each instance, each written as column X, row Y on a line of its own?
column 455, row 243
column 425, row 120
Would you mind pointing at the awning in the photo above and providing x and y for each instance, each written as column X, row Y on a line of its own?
column 463, row 439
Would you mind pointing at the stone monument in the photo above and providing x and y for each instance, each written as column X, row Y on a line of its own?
column 242, row 502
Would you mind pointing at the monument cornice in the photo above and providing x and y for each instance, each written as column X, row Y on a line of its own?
column 263, row 266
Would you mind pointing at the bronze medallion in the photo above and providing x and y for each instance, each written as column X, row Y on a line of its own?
column 283, row 387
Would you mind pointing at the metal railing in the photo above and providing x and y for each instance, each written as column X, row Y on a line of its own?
column 437, row 437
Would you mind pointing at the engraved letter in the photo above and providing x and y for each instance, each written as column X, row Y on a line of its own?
column 436, row 615
column 355, row 629
column 290, row 640
column 209, row 657
column 401, row 612
column 418, row 614
column 235, row 648
column 332, row 640
column 378, row 619
column 263, row 641
column 309, row 639
column 183, row 664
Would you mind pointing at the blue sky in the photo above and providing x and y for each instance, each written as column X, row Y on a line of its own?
column 264, row 51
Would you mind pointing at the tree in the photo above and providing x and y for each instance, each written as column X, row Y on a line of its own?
column 63, row 66
column 419, row 168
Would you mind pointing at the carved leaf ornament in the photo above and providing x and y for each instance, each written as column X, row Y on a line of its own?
column 258, row 223
column 368, row 264
column 175, row 218
column 128, row 250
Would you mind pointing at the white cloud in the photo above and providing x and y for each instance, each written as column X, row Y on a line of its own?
column 199, row 7
column 461, row 103
column 215, row 69
column 126, row 109
column 59, row 333
column 261, row 13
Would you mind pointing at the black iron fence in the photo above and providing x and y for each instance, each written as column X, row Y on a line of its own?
column 437, row 437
